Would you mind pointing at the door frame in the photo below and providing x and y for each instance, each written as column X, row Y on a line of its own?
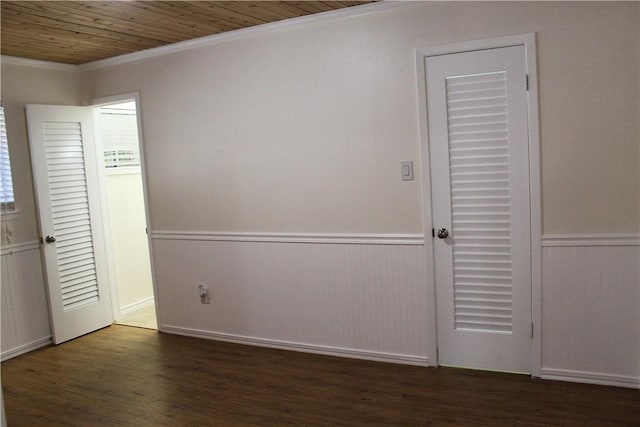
column 102, row 102
column 527, row 40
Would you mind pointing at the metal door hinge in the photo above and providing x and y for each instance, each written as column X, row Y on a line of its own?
column 526, row 81
column 433, row 232
column 531, row 329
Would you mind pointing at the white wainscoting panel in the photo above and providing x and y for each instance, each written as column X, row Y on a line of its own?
column 364, row 300
column 591, row 311
column 25, row 312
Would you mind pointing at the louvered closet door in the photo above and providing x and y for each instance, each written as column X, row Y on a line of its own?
column 478, row 146
column 65, row 173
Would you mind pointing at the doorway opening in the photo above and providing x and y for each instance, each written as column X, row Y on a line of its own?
column 120, row 173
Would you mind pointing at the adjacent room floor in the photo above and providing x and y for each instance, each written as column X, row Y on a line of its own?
column 142, row 318
column 132, row 376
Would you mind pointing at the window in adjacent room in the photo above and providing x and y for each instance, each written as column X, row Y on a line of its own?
column 7, row 201
column 119, row 135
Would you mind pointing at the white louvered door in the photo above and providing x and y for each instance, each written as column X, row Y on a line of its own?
column 65, row 174
column 478, row 147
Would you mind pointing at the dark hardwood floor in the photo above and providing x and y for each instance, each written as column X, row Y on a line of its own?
column 130, row 376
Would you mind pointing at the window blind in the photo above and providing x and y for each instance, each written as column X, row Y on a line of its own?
column 6, row 183
column 119, row 130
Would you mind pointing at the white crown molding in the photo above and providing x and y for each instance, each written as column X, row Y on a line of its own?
column 19, row 247
column 294, row 346
column 604, row 239
column 244, row 32
column 36, row 63
column 362, row 239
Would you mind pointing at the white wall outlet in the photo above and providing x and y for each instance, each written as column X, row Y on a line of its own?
column 204, row 295
column 406, row 170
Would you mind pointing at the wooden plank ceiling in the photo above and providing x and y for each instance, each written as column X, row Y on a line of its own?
column 76, row 32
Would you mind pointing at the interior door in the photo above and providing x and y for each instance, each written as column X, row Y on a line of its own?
column 65, row 171
column 478, row 148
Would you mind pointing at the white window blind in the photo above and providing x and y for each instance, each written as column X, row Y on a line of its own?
column 120, row 137
column 7, row 201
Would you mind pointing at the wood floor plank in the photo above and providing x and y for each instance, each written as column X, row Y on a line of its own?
column 131, row 376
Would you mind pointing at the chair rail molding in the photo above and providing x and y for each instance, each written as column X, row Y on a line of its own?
column 600, row 239
column 19, row 247
column 335, row 238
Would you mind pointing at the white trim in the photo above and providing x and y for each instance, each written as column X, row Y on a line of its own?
column 126, row 170
column 481, row 44
column 294, row 346
column 20, row 247
column 604, row 239
column 590, row 378
column 361, row 239
column 535, row 200
column 11, row 215
column 527, row 40
column 36, row 63
column 242, row 33
column 130, row 308
column 26, row 348
column 116, row 99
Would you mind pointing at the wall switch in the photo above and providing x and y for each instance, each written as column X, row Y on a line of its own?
column 406, row 170
column 204, row 295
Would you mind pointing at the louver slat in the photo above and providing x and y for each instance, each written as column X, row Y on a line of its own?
column 480, row 201
column 71, row 221
column 6, row 182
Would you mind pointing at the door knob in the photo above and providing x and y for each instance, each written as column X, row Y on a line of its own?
column 50, row 239
column 442, row 233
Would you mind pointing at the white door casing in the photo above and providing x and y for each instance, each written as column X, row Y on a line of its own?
column 65, row 174
column 479, row 185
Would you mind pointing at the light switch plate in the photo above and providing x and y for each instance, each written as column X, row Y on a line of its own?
column 406, row 170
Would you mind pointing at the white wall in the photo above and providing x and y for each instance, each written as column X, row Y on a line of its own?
column 591, row 305
column 303, row 129
column 24, row 309
column 128, row 238
column 366, row 300
column 21, row 85
column 117, row 130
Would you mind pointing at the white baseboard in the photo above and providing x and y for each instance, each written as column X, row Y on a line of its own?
column 293, row 346
column 590, row 378
column 25, row 348
column 130, row 308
